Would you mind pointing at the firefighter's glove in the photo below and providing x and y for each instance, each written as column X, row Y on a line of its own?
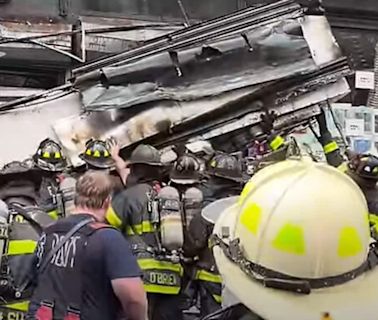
column 267, row 121
column 321, row 119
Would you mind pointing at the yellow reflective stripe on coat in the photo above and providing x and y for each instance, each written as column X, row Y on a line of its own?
column 113, row 219
column 343, row 167
column 373, row 220
column 144, row 227
column 17, row 247
column 217, row 298
column 208, row 276
column 148, row 264
column 53, row 214
column 277, row 142
column 20, row 306
column 330, row 147
column 153, row 288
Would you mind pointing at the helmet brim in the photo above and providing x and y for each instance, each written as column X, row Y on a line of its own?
column 45, row 166
column 152, row 164
column 238, row 179
column 184, row 181
column 212, row 212
column 107, row 164
column 355, row 299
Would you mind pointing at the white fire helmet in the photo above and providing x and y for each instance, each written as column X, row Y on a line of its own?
column 303, row 245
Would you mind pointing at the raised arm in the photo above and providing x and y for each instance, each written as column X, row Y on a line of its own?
column 121, row 165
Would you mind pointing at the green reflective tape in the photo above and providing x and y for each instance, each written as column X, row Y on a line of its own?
column 373, row 219
column 19, row 306
column 144, row 227
column 17, row 247
column 113, row 218
column 217, row 298
column 330, row 147
column 208, row 276
column 150, row 264
column 153, row 288
column 277, row 142
column 53, row 214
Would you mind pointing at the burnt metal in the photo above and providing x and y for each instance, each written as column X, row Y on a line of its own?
column 266, row 96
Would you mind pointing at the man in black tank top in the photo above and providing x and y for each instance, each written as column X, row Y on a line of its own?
column 94, row 274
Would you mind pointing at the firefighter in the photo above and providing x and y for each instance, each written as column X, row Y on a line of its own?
column 20, row 183
column 225, row 180
column 49, row 159
column 135, row 212
column 185, row 178
column 296, row 245
column 20, row 228
column 185, row 173
column 84, row 269
column 98, row 156
column 202, row 150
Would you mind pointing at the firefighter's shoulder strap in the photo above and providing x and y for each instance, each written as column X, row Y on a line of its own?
column 24, row 212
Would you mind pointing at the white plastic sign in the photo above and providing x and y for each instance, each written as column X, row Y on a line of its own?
column 364, row 80
column 354, row 127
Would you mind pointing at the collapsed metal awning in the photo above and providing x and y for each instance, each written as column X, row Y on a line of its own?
column 211, row 80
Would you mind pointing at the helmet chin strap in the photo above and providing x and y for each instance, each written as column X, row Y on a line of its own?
column 277, row 280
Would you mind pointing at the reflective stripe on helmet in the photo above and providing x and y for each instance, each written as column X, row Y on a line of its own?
column 113, row 218
column 144, row 227
column 330, row 147
column 46, row 155
column 251, row 217
column 290, row 239
column 350, row 243
column 17, row 247
column 208, row 276
column 246, row 190
column 277, row 142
